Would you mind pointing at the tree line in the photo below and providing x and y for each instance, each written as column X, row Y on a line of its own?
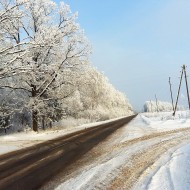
column 44, row 71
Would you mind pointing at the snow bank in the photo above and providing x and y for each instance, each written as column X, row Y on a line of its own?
column 166, row 121
column 151, row 106
column 173, row 173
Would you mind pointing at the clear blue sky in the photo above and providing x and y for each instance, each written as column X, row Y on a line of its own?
column 138, row 44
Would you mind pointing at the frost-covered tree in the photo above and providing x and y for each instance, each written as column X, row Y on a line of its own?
column 42, row 42
column 43, row 72
column 96, row 99
column 11, row 47
column 10, row 53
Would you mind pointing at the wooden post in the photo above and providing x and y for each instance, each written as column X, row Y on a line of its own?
column 171, row 93
column 178, row 92
column 184, row 68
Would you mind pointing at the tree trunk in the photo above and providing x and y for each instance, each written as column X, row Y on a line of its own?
column 50, row 124
column 34, row 113
column 43, row 122
column 35, row 121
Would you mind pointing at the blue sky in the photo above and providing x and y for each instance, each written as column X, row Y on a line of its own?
column 138, row 44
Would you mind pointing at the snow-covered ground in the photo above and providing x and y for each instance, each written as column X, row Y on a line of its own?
column 15, row 141
column 171, row 171
column 137, row 156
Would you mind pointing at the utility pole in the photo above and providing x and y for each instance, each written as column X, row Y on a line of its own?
column 184, row 68
column 178, row 92
column 171, row 93
column 156, row 102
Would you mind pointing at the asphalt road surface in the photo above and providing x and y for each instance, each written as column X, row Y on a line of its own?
column 32, row 167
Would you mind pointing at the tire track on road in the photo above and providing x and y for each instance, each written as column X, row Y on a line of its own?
column 144, row 159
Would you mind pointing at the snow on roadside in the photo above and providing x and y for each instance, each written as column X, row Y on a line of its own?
column 4, row 148
column 15, row 141
column 147, row 123
column 164, row 121
column 171, row 171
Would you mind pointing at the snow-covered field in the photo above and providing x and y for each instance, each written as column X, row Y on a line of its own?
column 151, row 152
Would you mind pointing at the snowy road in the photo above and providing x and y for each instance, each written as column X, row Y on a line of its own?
column 146, row 154
column 31, row 167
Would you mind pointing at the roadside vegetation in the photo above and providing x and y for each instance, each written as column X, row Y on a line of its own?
column 45, row 74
